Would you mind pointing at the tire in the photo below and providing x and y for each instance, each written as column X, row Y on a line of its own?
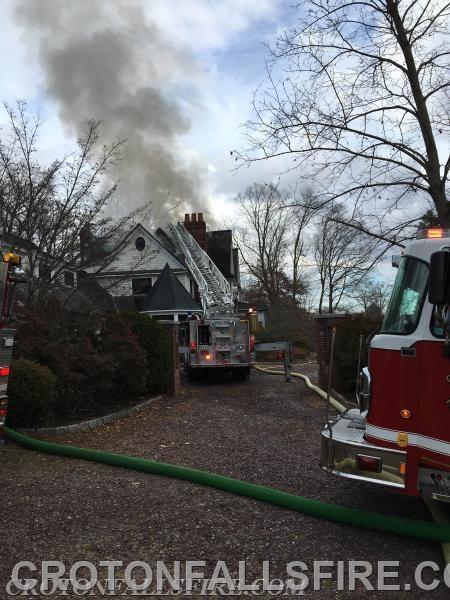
column 237, row 375
column 241, row 374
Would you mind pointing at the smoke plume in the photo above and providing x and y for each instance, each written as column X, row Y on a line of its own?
column 105, row 60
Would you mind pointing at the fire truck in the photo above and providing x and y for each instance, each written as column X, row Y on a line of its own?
column 10, row 275
column 220, row 337
column 399, row 436
column 220, row 340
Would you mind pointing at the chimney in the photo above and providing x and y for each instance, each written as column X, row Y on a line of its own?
column 86, row 242
column 197, row 228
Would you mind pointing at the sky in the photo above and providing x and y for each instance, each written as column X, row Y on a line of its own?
column 199, row 60
column 175, row 79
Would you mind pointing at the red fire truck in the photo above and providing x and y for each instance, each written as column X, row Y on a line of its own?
column 221, row 340
column 400, row 434
column 10, row 273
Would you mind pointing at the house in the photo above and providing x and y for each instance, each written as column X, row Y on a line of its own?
column 73, row 288
column 137, row 269
column 130, row 268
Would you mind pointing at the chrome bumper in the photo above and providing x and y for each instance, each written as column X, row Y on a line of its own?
column 341, row 446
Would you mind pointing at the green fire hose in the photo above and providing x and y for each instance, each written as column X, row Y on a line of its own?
column 351, row 516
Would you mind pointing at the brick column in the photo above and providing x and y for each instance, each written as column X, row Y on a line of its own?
column 174, row 383
column 324, row 328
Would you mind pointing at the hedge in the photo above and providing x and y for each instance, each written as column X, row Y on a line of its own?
column 154, row 340
column 31, row 393
column 347, row 349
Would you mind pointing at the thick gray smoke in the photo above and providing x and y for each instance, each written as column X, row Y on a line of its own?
column 104, row 60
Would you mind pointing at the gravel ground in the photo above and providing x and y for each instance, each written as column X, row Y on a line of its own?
column 264, row 431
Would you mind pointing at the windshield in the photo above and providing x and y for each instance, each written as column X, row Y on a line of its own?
column 407, row 297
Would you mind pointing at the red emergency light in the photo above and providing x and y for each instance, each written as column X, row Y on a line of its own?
column 4, row 371
column 369, row 463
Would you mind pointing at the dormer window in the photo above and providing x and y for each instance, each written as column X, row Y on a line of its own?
column 140, row 244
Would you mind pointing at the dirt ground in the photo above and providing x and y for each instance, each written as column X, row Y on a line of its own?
column 264, row 431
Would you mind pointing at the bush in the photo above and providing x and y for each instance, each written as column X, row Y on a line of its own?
column 128, row 357
column 31, row 390
column 94, row 362
column 67, row 344
column 286, row 322
column 154, row 340
column 347, row 349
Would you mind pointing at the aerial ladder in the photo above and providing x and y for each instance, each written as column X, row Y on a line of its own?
column 214, row 289
column 221, row 338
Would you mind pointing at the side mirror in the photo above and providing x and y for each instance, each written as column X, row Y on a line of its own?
column 438, row 282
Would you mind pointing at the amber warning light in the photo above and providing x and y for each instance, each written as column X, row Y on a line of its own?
column 435, row 233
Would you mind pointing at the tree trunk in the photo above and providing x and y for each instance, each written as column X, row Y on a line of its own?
column 432, row 166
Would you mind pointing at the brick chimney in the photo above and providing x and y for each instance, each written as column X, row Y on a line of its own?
column 197, row 228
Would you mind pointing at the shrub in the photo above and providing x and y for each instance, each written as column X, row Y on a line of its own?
column 66, row 343
column 347, row 349
column 31, row 390
column 288, row 322
column 128, row 357
column 154, row 340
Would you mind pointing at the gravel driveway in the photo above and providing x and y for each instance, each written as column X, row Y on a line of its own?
column 264, row 431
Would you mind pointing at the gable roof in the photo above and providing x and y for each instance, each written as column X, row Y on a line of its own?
column 120, row 257
column 168, row 293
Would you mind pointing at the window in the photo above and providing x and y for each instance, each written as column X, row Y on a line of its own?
column 140, row 243
column 407, row 297
column 69, row 278
column 141, row 285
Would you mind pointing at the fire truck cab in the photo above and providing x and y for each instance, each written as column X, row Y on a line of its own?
column 400, row 434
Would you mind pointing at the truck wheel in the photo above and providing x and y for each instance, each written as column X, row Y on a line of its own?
column 241, row 374
column 237, row 375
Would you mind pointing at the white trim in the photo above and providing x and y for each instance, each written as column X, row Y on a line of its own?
column 414, row 439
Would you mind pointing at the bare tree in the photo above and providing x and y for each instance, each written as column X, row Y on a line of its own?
column 358, row 96
column 301, row 211
column 344, row 258
column 372, row 296
column 263, row 240
column 45, row 208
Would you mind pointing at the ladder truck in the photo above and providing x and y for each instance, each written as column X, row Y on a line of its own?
column 219, row 338
column 400, row 434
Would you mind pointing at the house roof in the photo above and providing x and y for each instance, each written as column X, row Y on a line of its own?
column 168, row 293
column 89, row 296
column 112, row 264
